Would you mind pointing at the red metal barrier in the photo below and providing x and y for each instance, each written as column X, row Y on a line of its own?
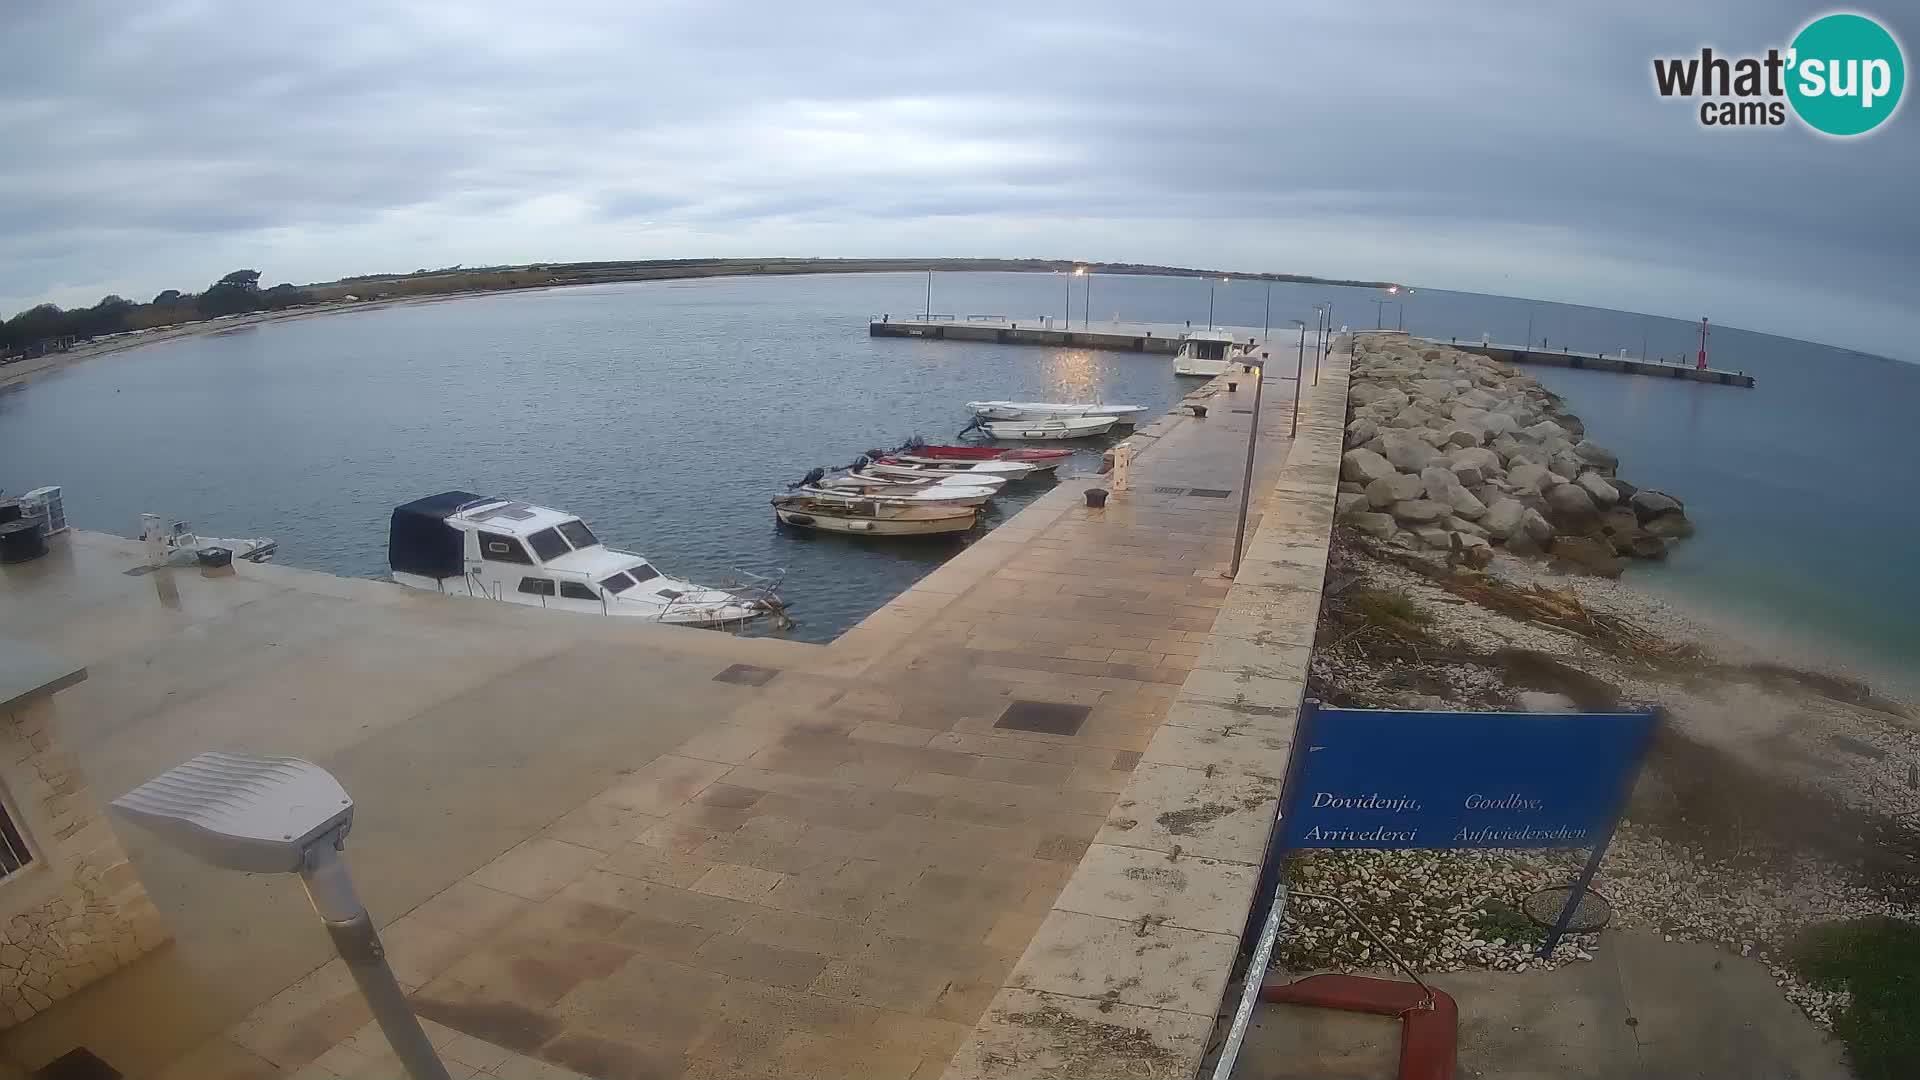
column 1430, row 1021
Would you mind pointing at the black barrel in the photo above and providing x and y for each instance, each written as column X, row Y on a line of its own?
column 21, row 540
column 10, row 510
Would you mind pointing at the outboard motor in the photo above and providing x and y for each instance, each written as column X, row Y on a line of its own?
column 814, row 476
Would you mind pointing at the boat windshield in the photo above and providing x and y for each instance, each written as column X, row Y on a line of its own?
column 547, row 544
column 578, row 534
column 618, row 583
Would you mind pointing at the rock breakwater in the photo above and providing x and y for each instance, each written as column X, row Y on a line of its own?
column 1453, row 451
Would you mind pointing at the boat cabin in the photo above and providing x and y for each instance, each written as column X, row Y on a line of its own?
column 1207, row 345
column 514, row 551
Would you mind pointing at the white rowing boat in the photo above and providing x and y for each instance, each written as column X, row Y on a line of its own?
column 920, row 494
column 1005, row 470
column 1049, row 410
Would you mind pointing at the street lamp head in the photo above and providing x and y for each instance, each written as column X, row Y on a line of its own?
column 1391, row 289
column 1079, row 269
column 242, row 812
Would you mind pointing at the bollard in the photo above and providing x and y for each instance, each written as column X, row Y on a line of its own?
column 1096, row 497
column 1122, row 458
column 1232, row 387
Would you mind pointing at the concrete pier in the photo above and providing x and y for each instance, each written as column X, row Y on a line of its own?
column 604, row 849
column 1592, row 361
column 1146, row 337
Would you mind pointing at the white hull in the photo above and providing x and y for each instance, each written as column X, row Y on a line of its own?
column 918, row 482
column 1056, row 428
column 854, row 526
column 1050, row 410
column 910, row 471
column 1187, row 365
column 696, row 606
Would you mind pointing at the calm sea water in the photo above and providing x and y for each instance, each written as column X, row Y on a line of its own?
column 667, row 413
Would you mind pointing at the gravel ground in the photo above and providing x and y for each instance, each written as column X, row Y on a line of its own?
column 1450, row 910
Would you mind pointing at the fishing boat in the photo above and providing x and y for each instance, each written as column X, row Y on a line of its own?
column 1048, row 410
column 1058, row 427
column 1005, row 470
column 871, row 517
column 181, row 540
column 1205, row 352
column 463, row 544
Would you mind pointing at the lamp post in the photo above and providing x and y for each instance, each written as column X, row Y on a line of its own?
column 1266, row 319
column 1529, row 342
column 1086, row 298
column 1210, row 284
column 1067, row 280
column 1246, row 480
column 1299, row 361
column 282, row 815
column 929, row 307
column 1320, row 338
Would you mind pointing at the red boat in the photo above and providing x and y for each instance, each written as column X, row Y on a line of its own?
column 1034, row 455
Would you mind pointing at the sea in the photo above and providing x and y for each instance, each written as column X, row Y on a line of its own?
column 668, row 413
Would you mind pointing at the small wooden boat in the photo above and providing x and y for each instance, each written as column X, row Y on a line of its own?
column 872, row 517
column 1050, row 410
column 1059, row 427
column 929, row 452
column 1005, row 470
column 850, row 487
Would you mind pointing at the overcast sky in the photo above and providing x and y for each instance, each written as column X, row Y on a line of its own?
column 1488, row 146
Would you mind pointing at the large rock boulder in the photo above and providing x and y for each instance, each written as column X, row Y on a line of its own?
column 1396, row 488
column 1467, row 414
column 1503, row 517
column 1535, row 524
column 1344, row 506
column 1380, row 525
column 1642, row 544
column 1544, row 430
column 1565, row 466
column 1571, row 507
column 1435, row 390
column 1474, row 465
column 1413, row 416
column 1445, row 488
column 1588, row 555
column 1528, row 476
column 1671, row 526
column 1364, row 466
column 1598, row 456
column 1649, row 504
column 1604, row 494
column 1496, row 424
column 1454, row 523
column 1360, row 430
column 1419, row 511
column 1407, row 453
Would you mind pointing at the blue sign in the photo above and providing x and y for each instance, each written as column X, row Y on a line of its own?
column 1379, row 779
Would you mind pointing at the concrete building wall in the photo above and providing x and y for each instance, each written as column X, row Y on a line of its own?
column 77, row 911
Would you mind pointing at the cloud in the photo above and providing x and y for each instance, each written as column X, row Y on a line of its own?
column 1474, row 146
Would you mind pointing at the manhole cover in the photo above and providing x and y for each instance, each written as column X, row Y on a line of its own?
column 747, row 675
column 1169, row 491
column 1044, row 717
column 1209, row 493
column 1544, row 908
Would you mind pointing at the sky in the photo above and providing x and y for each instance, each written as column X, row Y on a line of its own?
column 1478, row 145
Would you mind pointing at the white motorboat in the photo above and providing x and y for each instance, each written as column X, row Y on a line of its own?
column 872, row 517
column 1205, row 352
column 858, row 477
column 1058, row 427
column 462, row 544
column 1048, row 410
column 181, row 540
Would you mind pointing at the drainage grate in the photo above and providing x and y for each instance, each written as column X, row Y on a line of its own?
column 1045, row 717
column 1169, row 491
column 747, row 675
column 77, row 1064
column 1247, row 411
column 1209, row 493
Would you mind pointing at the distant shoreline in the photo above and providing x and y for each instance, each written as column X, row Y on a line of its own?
column 461, row 284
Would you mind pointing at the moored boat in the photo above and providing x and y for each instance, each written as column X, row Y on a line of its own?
column 1005, row 470
column 1205, row 353
column 853, row 487
column 1048, row 410
column 871, row 517
column 928, row 452
column 1058, row 427
column 463, row 544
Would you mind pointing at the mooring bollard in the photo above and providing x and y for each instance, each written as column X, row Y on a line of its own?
column 1232, row 387
column 1096, row 497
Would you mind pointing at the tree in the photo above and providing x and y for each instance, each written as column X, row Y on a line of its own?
column 235, row 293
column 167, row 298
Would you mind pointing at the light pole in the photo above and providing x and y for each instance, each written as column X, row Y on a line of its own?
column 1067, row 280
column 1299, row 362
column 1529, row 343
column 1246, row 481
column 1266, row 320
column 1320, row 327
column 1086, row 299
column 929, row 308
column 1210, row 284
